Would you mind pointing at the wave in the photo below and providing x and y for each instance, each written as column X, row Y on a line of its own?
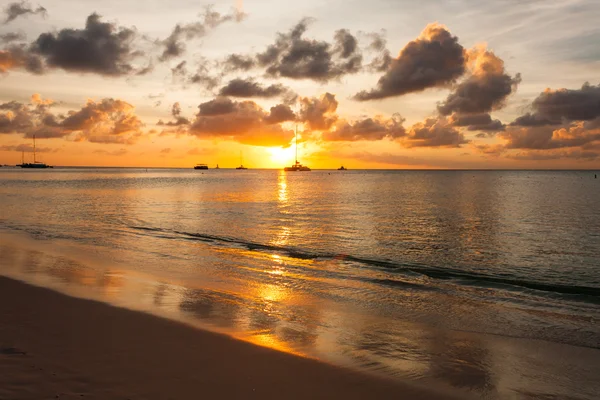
column 431, row 272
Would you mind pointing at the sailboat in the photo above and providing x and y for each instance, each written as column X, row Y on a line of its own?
column 34, row 164
column 297, row 166
column 241, row 162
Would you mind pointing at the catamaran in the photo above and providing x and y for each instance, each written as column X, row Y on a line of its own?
column 34, row 164
column 297, row 166
column 241, row 162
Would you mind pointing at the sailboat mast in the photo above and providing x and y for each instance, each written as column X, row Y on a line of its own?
column 34, row 149
column 296, row 142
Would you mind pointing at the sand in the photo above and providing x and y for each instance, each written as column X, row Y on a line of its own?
column 55, row 346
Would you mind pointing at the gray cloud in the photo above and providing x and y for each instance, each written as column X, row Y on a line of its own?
column 485, row 89
column 477, row 122
column 382, row 61
column 174, row 44
column 202, row 77
column 434, row 132
column 530, row 119
column 318, row 113
column 100, row 47
column 238, row 62
column 548, row 137
column 563, row 105
column 179, row 120
column 292, row 56
column 559, row 119
column 432, row 60
column 18, row 9
column 377, row 128
column 280, row 113
column 12, row 37
column 250, row 88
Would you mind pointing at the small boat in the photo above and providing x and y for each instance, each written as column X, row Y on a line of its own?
column 241, row 162
column 297, row 166
column 217, row 167
column 201, row 166
column 34, row 164
column 342, row 168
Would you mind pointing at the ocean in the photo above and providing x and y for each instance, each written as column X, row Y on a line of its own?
column 485, row 283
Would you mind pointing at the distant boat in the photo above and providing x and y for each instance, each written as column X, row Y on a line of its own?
column 201, row 166
column 297, row 166
column 241, row 162
column 34, row 164
column 217, row 167
column 342, row 168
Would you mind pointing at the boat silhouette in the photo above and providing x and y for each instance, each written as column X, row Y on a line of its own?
column 34, row 164
column 297, row 166
column 241, row 162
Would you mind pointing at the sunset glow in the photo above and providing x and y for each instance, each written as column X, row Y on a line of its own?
column 445, row 88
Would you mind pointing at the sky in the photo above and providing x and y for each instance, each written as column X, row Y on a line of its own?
column 380, row 84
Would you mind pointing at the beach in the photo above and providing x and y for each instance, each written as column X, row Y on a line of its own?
column 55, row 346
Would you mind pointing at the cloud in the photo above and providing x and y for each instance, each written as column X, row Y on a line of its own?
column 485, row 89
column 178, row 119
column 434, row 59
column 250, row 88
column 477, row 122
column 107, row 121
column 12, row 37
column 280, row 113
column 295, row 57
column 201, row 77
column 563, row 105
column 376, row 128
column 16, row 56
column 18, row 9
column 174, row 44
column 555, row 155
column 27, row 148
column 114, row 153
column 244, row 121
column 318, row 113
column 559, row 119
column 238, row 62
column 434, row 132
column 382, row 61
column 28, row 119
column 166, row 150
column 101, row 48
column 548, row 137
column 490, row 149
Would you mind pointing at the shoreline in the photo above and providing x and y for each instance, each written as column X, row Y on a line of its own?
column 56, row 346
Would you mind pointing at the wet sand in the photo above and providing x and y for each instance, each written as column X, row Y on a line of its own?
column 55, row 346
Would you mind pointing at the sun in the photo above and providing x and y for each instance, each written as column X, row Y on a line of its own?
column 281, row 156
